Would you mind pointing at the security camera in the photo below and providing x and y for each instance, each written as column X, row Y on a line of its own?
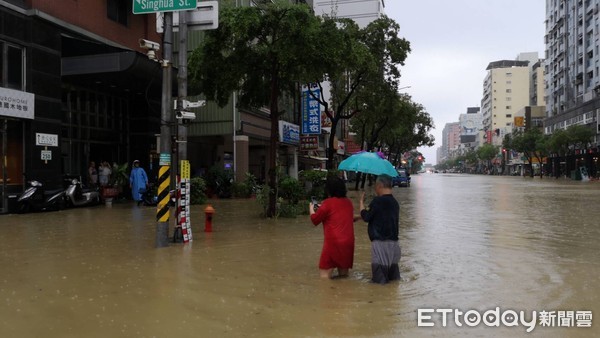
column 151, row 45
column 185, row 115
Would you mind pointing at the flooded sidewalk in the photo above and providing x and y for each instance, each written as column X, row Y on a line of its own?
column 94, row 272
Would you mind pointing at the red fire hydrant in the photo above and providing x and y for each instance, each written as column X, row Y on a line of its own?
column 208, row 213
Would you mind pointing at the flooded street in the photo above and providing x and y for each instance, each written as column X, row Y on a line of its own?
column 468, row 242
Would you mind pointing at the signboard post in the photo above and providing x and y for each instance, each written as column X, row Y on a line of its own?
column 155, row 6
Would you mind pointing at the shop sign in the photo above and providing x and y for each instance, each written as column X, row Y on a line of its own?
column 311, row 110
column 309, row 143
column 46, row 140
column 15, row 103
column 289, row 133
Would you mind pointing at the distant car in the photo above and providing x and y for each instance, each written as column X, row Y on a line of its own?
column 402, row 180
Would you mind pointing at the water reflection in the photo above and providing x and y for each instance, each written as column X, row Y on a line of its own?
column 468, row 242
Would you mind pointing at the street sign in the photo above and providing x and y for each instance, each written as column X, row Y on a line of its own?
column 164, row 159
column 155, row 6
column 205, row 17
column 46, row 155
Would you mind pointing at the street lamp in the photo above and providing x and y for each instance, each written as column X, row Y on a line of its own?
column 406, row 87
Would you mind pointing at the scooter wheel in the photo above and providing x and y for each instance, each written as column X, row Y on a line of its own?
column 24, row 208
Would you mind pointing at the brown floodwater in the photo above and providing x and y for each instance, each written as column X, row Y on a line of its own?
column 468, row 243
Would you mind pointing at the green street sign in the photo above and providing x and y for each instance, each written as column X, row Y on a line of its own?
column 155, row 6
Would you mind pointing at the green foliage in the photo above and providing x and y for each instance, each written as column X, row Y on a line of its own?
column 315, row 179
column 246, row 188
column 251, row 183
column 288, row 210
column 119, row 177
column 219, row 181
column 262, row 198
column 261, row 52
column 487, row 152
column 197, row 190
column 240, row 190
column 291, row 190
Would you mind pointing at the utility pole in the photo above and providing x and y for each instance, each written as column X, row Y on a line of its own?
column 162, row 211
column 182, row 75
column 180, row 234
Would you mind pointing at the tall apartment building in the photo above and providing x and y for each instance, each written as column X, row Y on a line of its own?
column 450, row 141
column 509, row 86
column 572, row 64
column 470, row 126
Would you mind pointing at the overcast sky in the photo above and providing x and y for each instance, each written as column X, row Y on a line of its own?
column 452, row 43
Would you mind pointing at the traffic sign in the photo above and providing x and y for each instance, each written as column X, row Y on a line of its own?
column 205, row 17
column 155, row 6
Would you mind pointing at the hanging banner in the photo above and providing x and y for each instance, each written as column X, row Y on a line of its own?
column 311, row 111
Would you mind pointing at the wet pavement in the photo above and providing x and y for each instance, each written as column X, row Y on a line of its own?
column 468, row 242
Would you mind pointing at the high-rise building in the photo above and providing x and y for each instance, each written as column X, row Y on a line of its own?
column 509, row 86
column 470, row 126
column 450, row 140
column 572, row 64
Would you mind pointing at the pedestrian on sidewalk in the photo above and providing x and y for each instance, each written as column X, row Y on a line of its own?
column 383, row 217
column 138, row 180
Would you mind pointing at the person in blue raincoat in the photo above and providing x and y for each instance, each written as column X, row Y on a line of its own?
column 137, row 180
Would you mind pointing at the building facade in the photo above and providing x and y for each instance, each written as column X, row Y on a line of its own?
column 470, row 124
column 75, row 87
column 505, row 90
column 572, row 71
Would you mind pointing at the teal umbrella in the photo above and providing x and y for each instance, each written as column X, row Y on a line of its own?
column 369, row 163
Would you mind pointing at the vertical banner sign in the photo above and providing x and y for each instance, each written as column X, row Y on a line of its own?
column 311, row 111
column 184, row 201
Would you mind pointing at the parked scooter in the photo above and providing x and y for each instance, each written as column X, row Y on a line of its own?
column 36, row 198
column 150, row 197
column 76, row 196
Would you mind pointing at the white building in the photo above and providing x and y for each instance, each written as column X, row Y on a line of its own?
column 509, row 86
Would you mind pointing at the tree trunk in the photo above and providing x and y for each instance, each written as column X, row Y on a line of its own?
column 330, row 148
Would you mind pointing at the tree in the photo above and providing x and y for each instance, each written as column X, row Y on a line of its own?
column 565, row 142
column 354, row 57
column 532, row 143
column 487, row 152
column 413, row 129
column 260, row 51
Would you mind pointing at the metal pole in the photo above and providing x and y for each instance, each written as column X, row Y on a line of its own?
column 162, row 211
column 182, row 75
column 178, row 234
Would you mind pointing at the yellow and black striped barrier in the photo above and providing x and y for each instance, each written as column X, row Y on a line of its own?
column 162, row 210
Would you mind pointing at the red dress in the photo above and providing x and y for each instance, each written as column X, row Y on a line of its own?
column 337, row 215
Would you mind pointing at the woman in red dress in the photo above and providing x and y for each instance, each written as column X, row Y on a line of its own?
column 337, row 215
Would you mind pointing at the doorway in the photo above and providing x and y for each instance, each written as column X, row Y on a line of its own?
column 11, row 163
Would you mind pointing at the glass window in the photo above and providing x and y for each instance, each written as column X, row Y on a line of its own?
column 14, row 69
column 11, row 66
column 118, row 10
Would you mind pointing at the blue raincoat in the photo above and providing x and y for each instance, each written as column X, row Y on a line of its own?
column 138, row 180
